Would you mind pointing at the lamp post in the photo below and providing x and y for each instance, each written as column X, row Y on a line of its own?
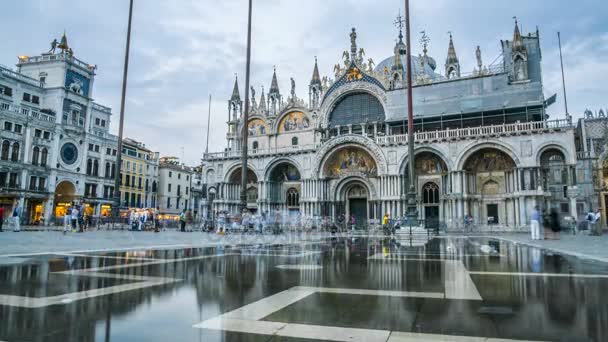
column 412, row 209
column 118, row 174
column 245, row 118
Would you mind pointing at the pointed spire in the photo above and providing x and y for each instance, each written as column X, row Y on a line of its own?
column 518, row 42
column 63, row 44
column 262, row 106
column 452, row 58
column 316, row 78
column 236, row 96
column 274, row 85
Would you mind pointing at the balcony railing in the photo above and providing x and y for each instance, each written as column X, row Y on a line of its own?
column 484, row 131
column 261, row 152
column 26, row 111
column 21, row 77
column 56, row 57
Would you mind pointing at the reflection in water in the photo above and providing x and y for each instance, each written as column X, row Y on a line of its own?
column 513, row 306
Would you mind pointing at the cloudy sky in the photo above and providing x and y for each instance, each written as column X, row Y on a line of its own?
column 184, row 50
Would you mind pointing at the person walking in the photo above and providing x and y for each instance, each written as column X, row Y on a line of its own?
column 182, row 221
column 1, row 217
column 156, row 221
column 535, row 223
column 555, row 224
column 596, row 222
column 189, row 220
column 385, row 221
column 74, row 218
column 16, row 217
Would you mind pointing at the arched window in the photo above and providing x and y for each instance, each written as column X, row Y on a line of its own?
column 35, row 155
column 294, row 141
column 6, row 146
column 430, row 193
column 89, row 166
column 113, row 173
column 293, row 198
column 255, row 145
column 355, row 109
column 107, row 170
column 95, row 168
column 154, row 186
column 15, row 154
column 44, row 156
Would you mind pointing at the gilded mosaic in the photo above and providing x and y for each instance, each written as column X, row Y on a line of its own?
column 489, row 160
column 350, row 160
column 257, row 127
column 294, row 121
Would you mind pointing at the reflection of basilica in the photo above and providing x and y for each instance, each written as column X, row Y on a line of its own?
column 484, row 146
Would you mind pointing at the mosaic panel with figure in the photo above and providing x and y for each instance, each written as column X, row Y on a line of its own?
column 350, row 160
column 429, row 164
column 257, row 127
column 489, row 160
column 285, row 173
column 235, row 177
column 294, row 121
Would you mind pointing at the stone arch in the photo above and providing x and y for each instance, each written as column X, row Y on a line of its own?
column 210, row 176
column 475, row 147
column 555, row 146
column 350, row 88
column 339, row 189
column 403, row 163
column 301, row 114
column 235, row 168
column 330, row 147
column 278, row 161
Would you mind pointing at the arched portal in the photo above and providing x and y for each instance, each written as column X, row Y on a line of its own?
column 554, row 177
column 233, row 191
column 356, row 208
column 487, row 173
column 284, row 187
column 431, row 176
column 65, row 194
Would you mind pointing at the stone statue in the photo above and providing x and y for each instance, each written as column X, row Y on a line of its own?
column 293, row 89
column 53, row 46
column 253, row 103
column 361, row 55
column 346, row 58
column 478, row 55
column 337, row 70
column 371, row 64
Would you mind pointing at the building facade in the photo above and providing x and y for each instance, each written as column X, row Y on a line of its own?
column 484, row 144
column 56, row 144
column 139, row 175
column 175, row 186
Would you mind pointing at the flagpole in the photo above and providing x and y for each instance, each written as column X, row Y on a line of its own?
column 244, row 130
column 411, row 196
column 125, row 73
column 561, row 60
column 208, row 124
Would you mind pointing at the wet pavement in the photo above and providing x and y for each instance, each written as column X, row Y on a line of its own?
column 340, row 289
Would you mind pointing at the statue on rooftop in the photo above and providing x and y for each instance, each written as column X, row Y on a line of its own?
column 53, row 46
column 293, row 88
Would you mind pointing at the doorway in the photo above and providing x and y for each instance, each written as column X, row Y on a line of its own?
column 492, row 213
column 431, row 217
column 358, row 209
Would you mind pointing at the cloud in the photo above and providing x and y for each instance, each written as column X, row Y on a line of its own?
column 184, row 50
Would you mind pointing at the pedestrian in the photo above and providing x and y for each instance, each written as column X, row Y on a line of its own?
column 596, row 223
column 16, row 216
column 1, row 217
column 67, row 218
column 353, row 222
column 189, row 219
column 182, row 221
column 156, row 220
column 74, row 218
column 535, row 223
column 555, row 224
column 385, row 221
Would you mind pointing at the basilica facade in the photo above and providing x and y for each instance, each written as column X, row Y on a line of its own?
column 484, row 144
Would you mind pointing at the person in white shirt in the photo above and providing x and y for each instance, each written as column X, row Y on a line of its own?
column 74, row 214
column 597, row 222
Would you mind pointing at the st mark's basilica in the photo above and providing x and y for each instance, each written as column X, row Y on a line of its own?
column 484, row 144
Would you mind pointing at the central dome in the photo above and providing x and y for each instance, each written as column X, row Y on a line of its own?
column 429, row 66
